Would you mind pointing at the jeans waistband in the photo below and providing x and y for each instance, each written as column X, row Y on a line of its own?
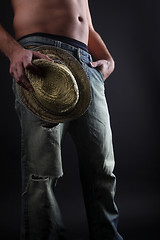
column 64, row 39
column 34, row 40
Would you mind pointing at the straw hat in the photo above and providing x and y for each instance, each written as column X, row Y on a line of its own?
column 62, row 92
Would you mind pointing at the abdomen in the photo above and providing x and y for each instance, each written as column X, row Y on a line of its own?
column 71, row 22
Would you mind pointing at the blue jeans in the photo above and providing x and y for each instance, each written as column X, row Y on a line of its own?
column 42, row 166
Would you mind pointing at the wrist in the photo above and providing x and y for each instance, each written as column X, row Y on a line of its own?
column 112, row 65
column 14, row 48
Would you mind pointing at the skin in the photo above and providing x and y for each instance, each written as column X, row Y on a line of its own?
column 70, row 18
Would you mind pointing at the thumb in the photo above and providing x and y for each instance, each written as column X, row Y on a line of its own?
column 95, row 64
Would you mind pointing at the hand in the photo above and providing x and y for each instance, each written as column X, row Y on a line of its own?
column 21, row 59
column 105, row 66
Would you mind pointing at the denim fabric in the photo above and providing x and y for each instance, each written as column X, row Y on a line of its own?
column 42, row 166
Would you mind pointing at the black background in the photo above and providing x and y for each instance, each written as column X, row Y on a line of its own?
column 130, row 31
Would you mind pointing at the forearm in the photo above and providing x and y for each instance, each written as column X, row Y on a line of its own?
column 8, row 45
column 97, row 47
column 100, row 54
column 20, row 58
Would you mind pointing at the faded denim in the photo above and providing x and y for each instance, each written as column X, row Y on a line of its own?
column 42, row 166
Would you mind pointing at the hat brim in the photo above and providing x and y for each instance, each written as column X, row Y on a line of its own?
column 77, row 70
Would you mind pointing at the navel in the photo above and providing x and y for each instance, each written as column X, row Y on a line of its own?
column 80, row 19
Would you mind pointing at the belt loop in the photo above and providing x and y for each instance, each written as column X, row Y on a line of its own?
column 78, row 54
column 58, row 44
column 90, row 57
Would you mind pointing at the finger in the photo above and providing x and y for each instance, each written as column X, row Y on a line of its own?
column 27, row 64
column 38, row 55
column 22, row 85
column 22, row 80
column 26, row 84
column 15, row 75
column 33, row 68
column 95, row 64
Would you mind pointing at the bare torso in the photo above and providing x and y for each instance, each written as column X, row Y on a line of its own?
column 60, row 17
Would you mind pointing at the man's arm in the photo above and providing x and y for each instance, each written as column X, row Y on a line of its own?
column 19, row 57
column 98, row 50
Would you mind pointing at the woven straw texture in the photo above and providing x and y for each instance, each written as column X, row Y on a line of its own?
column 62, row 92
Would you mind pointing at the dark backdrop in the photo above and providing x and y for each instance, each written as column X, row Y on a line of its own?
column 130, row 31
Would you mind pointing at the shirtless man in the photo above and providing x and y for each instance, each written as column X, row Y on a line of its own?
column 67, row 21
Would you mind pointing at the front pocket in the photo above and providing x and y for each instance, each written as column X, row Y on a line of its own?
column 100, row 73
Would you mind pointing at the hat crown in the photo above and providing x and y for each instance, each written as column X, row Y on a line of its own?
column 47, row 102
column 56, row 89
